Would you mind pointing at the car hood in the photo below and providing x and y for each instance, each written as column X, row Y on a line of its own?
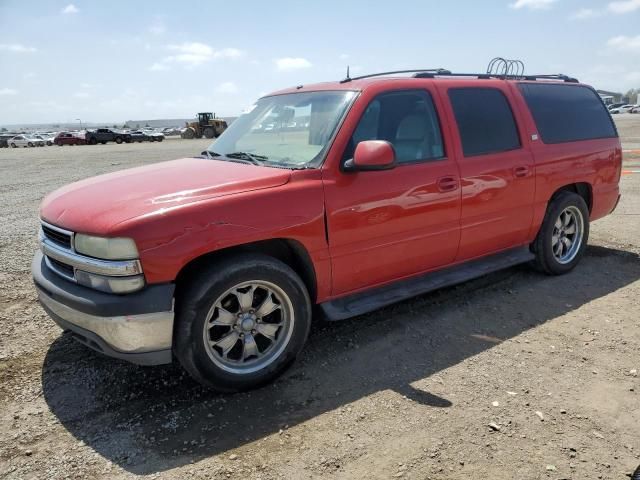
column 96, row 205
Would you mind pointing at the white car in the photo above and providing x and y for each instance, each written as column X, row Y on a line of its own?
column 22, row 141
column 46, row 137
column 622, row 109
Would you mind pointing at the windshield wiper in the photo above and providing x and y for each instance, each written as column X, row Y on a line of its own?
column 209, row 154
column 255, row 159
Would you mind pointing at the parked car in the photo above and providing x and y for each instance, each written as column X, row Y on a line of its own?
column 614, row 105
column 67, row 138
column 396, row 186
column 47, row 139
column 137, row 136
column 622, row 109
column 171, row 131
column 153, row 136
column 104, row 135
column 23, row 141
column 4, row 140
column 635, row 109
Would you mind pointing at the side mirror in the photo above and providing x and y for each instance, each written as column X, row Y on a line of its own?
column 372, row 155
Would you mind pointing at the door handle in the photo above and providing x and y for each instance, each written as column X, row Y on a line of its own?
column 521, row 171
column 447, row 184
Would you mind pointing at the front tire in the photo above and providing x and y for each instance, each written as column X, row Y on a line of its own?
column 563, row 236
column 241, row 322
column 118, row 140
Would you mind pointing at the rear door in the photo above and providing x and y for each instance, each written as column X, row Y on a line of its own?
column 385, row 225
column 497, row 171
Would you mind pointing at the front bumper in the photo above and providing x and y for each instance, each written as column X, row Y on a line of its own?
column 136, row 327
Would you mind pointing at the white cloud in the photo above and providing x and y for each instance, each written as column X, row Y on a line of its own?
column 193, row 54
column 585, row 13
column 70, row 9
column 228, row 53
column 343, row 56
column 532, row 4
column 190, row 53
column 291, row 63
column 625, row 6
column 227, row 87
column 159, row 67
column 8, row 91
column 29, row 75
column 17, row 48
column 81, row 95
column 625, row 43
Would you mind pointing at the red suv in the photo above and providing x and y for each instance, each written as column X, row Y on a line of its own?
column 65, row 138
column 359, row 194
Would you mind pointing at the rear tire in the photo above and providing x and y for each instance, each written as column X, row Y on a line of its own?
column 30, row 144
column 258, row 305
column 118, row 140
column 13, row 145
column 563, row 236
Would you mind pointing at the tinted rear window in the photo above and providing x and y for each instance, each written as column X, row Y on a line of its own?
column 567, row 113
column 485, row 121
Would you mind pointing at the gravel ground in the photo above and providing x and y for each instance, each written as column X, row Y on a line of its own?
column 512, row 376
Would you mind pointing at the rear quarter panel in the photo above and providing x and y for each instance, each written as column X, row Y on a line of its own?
column 596, row 162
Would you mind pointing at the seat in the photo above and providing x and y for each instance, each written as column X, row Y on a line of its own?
column 411, row 138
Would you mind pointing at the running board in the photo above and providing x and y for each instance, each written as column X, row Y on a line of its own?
column 365, row 302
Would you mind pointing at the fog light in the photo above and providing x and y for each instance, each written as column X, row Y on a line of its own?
column 110, row 284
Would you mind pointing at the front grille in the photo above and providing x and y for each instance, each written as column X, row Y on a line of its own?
column 62, row 268
column 57, row 237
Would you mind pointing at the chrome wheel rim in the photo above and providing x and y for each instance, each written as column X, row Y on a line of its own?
column 566, row 238
column 248, row 327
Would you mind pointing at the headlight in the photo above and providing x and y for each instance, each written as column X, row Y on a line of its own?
column 110, row 284
column 106, row 248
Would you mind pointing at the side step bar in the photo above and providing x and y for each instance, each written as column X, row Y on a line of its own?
column 364, row 302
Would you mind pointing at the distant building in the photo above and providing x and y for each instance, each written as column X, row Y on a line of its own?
column 610, row 97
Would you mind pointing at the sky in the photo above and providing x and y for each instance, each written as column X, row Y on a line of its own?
column 123, row 60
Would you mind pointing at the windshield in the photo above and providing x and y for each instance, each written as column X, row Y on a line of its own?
column 292, row 130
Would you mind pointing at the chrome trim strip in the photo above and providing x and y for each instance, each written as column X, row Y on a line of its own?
column 110, row 268
column 148, row 332
column 61, row 230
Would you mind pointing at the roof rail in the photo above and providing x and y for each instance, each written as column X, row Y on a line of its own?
column 557, row 76
column 435, row 71
column 498, row 68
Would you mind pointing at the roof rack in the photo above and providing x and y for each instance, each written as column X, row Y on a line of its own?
column 498, row 68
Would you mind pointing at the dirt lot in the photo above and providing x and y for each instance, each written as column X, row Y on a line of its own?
column 409, row 391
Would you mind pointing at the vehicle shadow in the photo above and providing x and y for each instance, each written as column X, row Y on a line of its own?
column 148, row 420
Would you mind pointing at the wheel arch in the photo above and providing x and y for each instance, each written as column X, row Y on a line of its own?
column 584, row 189
column 289, row 251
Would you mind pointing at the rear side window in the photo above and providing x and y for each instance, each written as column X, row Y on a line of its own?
column 485, row 121
column 567, row 113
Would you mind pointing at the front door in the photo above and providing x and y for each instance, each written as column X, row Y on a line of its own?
column 385, row 225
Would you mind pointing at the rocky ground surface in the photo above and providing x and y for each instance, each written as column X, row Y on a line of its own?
column 512, row 376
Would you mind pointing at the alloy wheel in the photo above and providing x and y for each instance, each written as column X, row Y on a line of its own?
column 248, row 327
column 566, row 238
